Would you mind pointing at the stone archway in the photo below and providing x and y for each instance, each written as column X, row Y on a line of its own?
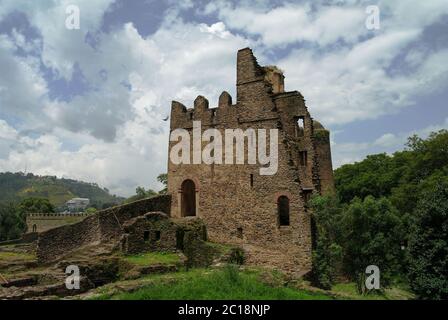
column 188, row 198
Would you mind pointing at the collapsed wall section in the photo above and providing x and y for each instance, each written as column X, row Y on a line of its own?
column 106, row 226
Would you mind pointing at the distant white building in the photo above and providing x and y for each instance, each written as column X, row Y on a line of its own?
column 77, row 204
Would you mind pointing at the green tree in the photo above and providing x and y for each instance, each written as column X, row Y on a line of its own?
column 91, row 210
column 428, row 245
column 327, row 253
column 141, row 193
column 399, row 176
column 12, row 223
column 373, row 235
column 36, row 205
column 163, row 179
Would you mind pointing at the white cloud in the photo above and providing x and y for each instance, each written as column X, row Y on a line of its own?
column 21, row 84
column 346, row 85
column 159, row 68
column 113, row 134
column 292, row 23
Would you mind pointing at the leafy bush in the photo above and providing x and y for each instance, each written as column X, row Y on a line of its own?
column 428, row 245
column 327, row 252
column 351, row 237
column 237, row 256
column 12, row 222
column 373, row 235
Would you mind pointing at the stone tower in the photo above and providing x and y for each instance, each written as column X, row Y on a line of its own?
column 267, row 214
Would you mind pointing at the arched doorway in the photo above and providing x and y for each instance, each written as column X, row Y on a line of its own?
column 188, row 199
column 34, row 228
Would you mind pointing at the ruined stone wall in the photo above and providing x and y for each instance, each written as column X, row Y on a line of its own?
column 238, row 204
column 60, row 241
column 155, row 231
column 104, row 226
column 39, row 222
column 152, row 232
column 322, row 142
column 111, row 220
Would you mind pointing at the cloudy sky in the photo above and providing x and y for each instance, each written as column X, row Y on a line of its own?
column 88, row 104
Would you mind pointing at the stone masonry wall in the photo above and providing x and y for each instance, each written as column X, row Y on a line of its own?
column 155, row 231
column 237, row 204
column 104, row 226
column 45, row 221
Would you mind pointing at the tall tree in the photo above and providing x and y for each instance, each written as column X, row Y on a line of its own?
column 12, row 223
column 428, row 245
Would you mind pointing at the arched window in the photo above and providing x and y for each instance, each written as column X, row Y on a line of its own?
column 188, row 199
column 34, row 228
column 283, row 210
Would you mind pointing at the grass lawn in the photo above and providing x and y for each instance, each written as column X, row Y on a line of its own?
column 149, row 258
column 394, row 293
column 213, row 284
column 13, row 256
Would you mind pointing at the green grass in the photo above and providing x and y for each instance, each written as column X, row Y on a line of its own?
column 149, row 258
column 12, row 256
column 212, row 284
column 393, row 293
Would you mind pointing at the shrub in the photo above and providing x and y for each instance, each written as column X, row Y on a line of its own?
column 428, row 245
column 327, row 252
column 373, row 235
column 237, row 256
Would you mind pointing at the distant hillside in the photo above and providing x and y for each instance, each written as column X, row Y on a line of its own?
column 16, row 186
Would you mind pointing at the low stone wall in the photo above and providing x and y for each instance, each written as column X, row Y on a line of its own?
column 29, row 237
column 112, row 220
column 155, row 231
column 104, row 226
column 40, row 222
column 59, row 241
column 26, row 238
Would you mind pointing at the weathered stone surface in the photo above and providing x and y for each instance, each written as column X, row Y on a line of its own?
column 20, row 282
column 236, row 203
column 155, row 231
column 40, row 222
column 58, row 289
column 105, row 226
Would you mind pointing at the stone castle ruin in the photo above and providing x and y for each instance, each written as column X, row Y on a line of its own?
column 237, row 204
column 266, row 215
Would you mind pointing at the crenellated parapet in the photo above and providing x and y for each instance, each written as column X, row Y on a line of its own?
column 56, row 215
column 225, row 113
column 257, row 89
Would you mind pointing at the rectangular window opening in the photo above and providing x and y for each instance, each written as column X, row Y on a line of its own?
column 239, row 232
column 303, row 158
column 300, row 126
column 180, row 239
column 307, row 196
